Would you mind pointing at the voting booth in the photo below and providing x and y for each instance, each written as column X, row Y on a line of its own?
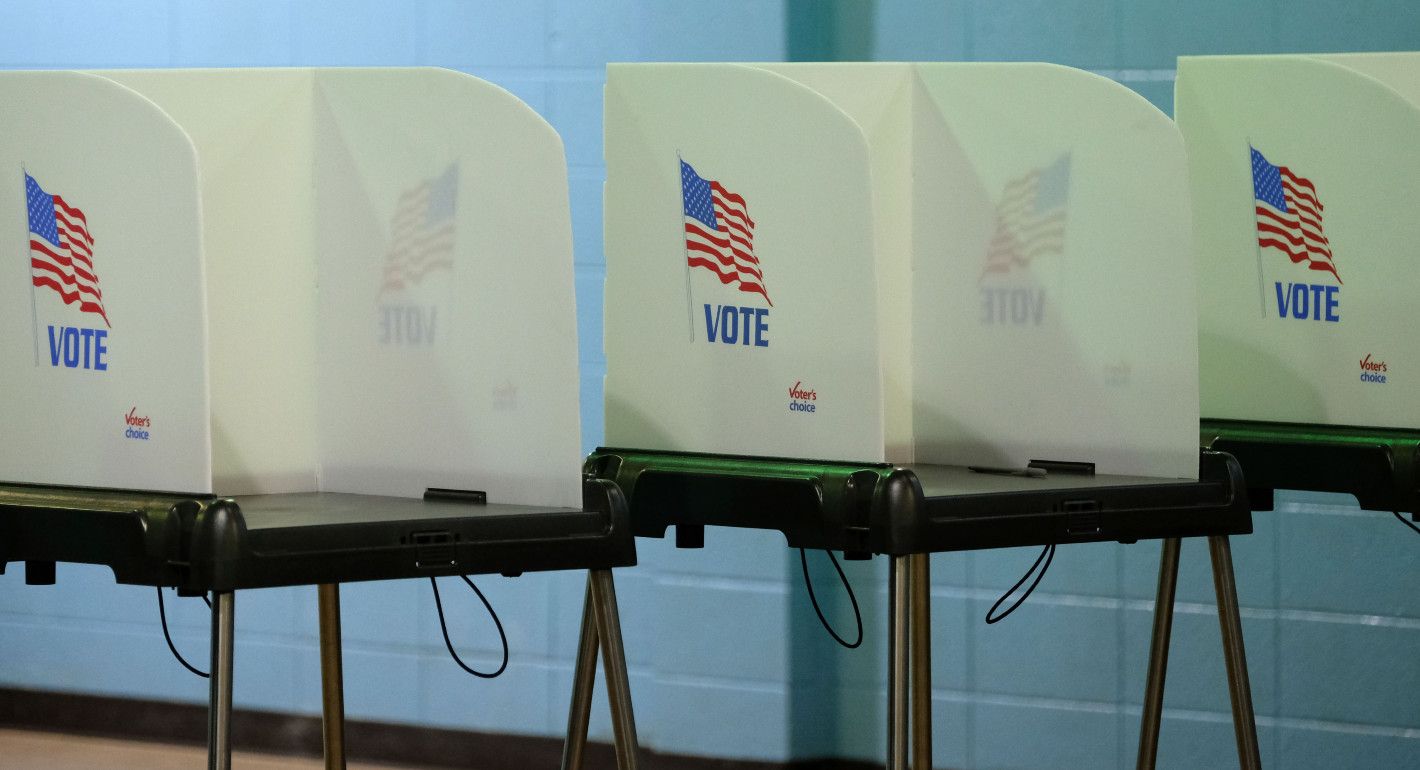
column 981, row 264
column 295, row 327
column 1303, row 171
column 268, row 281
column 904, row 309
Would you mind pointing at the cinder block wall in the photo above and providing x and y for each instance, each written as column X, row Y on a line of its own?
column 726, row 656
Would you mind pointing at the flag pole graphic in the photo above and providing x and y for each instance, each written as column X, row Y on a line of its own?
column 29, row 271
column 1256, row 244
column 689, row 303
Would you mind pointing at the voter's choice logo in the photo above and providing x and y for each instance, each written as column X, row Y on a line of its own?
column 66, row 300
column 138, row 427
column 802, row 399
column 421, row 248
column 1288, row 212
column 1030, row 224
column 1374, row 370
column 719, row 240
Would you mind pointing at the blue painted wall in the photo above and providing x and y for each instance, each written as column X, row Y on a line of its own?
column 727, row 658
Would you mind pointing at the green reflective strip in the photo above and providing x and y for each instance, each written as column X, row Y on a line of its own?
column 730, row 465
column 1240, row 430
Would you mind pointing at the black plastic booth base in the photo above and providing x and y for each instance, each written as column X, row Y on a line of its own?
column 201, row 544
column 908, row 512
column 1380, row 467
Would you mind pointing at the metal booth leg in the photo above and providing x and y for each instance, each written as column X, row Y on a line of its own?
column 1239, row 691
column 898, row 597
column 332, row 677
column 618, row 685
column 1158, row 655
column 920, row 648
column 601, row 627
column 583, row 680
column 219, row 710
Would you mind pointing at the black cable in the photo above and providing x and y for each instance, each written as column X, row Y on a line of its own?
column 445, row 628
column 857, row 614
column 1048, row 554
column 163, row 616
column 1401, row 517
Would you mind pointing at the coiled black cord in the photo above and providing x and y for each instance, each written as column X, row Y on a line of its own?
column 163, row 616
column 857, row 614
column 1401, row 518
column 1048, row 555
column 445, row 628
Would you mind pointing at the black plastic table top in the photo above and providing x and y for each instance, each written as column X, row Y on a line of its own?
column 880, row 508
column 206, row 543
column 333, row 509
column 1379, row 466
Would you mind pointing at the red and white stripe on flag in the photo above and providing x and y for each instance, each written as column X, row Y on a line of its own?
column 422, row 232
column 1296, row 232
column 728, row 250
column 68, row 267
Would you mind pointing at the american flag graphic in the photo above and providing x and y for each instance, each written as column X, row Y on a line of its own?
column 719, row 235
column 62, row 250
column 422, row 231
column 1030, row 219
column 1289, row 215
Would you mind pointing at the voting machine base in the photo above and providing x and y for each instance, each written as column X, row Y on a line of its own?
column 908, row 512
column 1379, row 466
column 201, row 543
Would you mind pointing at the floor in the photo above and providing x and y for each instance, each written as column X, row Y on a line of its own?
column 22, row 750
